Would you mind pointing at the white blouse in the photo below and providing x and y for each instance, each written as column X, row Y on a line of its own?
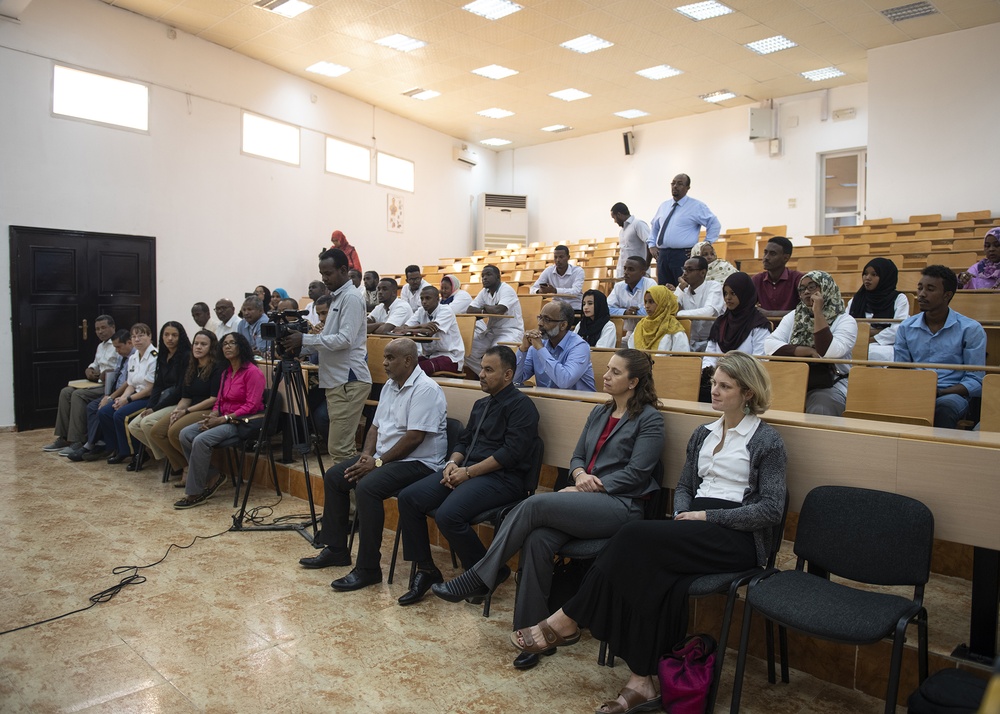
column 609, row 335
column 752, row 345
column 726, row 474
column 882, row 348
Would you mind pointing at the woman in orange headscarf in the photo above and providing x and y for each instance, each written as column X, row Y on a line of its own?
column 660, row 329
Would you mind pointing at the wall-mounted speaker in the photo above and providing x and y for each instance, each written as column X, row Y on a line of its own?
column 629, row 139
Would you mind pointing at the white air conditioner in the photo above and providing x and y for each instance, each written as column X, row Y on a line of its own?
column 502, row 220
column 464, row 155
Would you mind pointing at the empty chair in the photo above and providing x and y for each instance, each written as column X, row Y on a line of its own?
column 906, row 395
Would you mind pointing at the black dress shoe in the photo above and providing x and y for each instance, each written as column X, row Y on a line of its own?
column 135, row 464
column 422, row 582
column 527, row 660
column 117, row 458
column 326, row 559
column 357, row 579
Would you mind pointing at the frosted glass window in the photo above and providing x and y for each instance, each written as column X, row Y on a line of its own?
column 270, row 139
column 348, row 159
column 393, row 172
column 95, row 97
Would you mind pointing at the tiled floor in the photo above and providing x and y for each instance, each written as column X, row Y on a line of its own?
column 234, row 624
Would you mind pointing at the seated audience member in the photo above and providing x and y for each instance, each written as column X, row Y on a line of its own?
column 407, row 440
column 228, row 320
column 357, row 282
column 391, row 311
column 322, row 307
column 561, row 280
column 202, row 317
column 253, row 318
column 414, row 284
column 938, row 334
column 339, row 240
column 171, row 366
column 277, row 296
column 135, row 396
column 94, row 447
column 628, row 296
column 698, row 297
column 984, row 275
column 878, row 297
column 819, row 327
column 631, row 238
column 660, row 329
column 496, row 298
column 316, row 290
column 777, row 285
column 742, row 327
column 241, row 395
column 370, row 281
column 287, row 304
column 611, row 471
column 454, row 296
column 487, row 469
column 264, row 294
column 71, row 417
column 432, row 319
column 199, row 389
column 730, row 496
column 553, row 354
column 595, row 326
column 718, row 269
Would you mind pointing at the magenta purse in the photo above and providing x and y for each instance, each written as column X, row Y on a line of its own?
column 686, row 675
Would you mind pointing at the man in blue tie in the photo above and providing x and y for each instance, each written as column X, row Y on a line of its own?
column 675, row 228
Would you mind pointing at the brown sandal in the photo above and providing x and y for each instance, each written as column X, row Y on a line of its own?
column 552, row 639
column 633, row 700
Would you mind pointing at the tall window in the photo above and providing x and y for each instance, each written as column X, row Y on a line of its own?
column 348, row 159
column 842, row 181
column 270, row 139
column 393, row 172
column 99, row 98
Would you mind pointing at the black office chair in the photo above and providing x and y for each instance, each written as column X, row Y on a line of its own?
column 867, row 536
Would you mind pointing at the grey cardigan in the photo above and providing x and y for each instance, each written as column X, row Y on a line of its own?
column 763, row 501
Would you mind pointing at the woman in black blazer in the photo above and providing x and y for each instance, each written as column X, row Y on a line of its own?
column 611, row 470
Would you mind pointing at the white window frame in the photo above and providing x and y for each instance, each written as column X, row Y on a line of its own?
column 859, row 214
column 298, row 139
column 326, row 158
column 56, row 66
column 378, row 178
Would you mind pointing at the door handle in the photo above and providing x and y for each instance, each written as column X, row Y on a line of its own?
column 83, row 328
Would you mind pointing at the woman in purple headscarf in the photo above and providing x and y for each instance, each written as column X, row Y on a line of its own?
column 985, row 275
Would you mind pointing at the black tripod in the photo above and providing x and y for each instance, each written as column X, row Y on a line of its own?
column 287, row 372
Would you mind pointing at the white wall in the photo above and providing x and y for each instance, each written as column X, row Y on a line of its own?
column 224, row 222
column 572, row 184
column 935, row 125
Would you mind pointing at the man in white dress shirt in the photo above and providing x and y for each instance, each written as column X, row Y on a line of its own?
column 391, row 311
column 202, row 317
column 228, row 320
column 562, row 280
column 631, row 238
column 316, row 290
column 697, row 297
column 496, row 298
column 414, row 284
column 432, row 319
column 627, row 296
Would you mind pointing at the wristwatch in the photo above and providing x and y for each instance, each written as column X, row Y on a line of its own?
column 378, row 463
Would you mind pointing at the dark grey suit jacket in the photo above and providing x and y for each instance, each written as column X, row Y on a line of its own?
column 627, row 459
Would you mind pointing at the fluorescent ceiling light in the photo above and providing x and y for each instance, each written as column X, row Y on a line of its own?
column 704, row 10
column 632, row 114
column 492, row 9
column 328, row 69
column 586, row 44
column 908, row 12
column 556, row 127
column 720, row 96
column 285, row 8
column 771, row 44
column 495, row 71
column 495, row 113
column 421, row 94
column 569, row 95
column 494, row 142
column 660, row 71
column 401, row 43
column 818, row 75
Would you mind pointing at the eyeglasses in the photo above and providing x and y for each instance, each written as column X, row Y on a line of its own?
column 811, row 288
column 546, row 318
column 229, row 343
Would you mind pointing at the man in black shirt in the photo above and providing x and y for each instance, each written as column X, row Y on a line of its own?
column 486, row 470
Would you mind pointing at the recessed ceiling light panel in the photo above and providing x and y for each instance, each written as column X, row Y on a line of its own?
column 908, row 12
column 495, row 71
column 401, row 43
column 556, row 128
column 495, row 113
column 495, row 142
column 704, row 10
column 492, row 9
column 720, row 96
column 586, row 44
column 569, row 95
column 818, row 75
column 421, row 94
column 285, row 8
column 771, row 44
column 632, row 114
column 660, row 71
column 328, row 69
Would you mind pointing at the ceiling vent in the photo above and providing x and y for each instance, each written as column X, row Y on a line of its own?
column 908, row 12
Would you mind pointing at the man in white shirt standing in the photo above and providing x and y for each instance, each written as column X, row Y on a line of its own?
column 432, row 319
column 631, row 238
column 697, row 297
column 228, row 321
column 496, row 298
column 562, row 280
column 391, row 311
column 414, row 284
column 627, row 296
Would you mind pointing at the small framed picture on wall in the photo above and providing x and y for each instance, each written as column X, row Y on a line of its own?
column 394, row 213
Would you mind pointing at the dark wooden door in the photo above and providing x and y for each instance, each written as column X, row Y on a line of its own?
column 60, row 281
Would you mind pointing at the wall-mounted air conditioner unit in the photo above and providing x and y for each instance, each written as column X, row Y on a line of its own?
column 464, row 155
column 502, row 220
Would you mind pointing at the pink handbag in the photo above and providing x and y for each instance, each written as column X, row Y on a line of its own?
column 686, row 675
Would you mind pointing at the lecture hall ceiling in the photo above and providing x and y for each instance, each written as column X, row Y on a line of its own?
column 711, row 54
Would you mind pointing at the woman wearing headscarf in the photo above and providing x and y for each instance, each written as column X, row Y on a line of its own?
column 984, row 275
column 819, row 326
column 878, row 297
column 718, row 269
column 277, row 296
column 742, row 326
column 453, row 296
column 660, row 329
column 595, row 325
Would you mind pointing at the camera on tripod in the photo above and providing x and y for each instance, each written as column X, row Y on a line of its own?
column 283, row 323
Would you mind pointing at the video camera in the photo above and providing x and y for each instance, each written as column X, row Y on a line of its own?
column 283, row 323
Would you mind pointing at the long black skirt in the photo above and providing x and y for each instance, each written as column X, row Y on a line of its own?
column 635, row 595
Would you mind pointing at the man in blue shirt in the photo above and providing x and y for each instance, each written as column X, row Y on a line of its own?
column 675, row 228
column 253, row 318
column 940, row 335
column 555, row 355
